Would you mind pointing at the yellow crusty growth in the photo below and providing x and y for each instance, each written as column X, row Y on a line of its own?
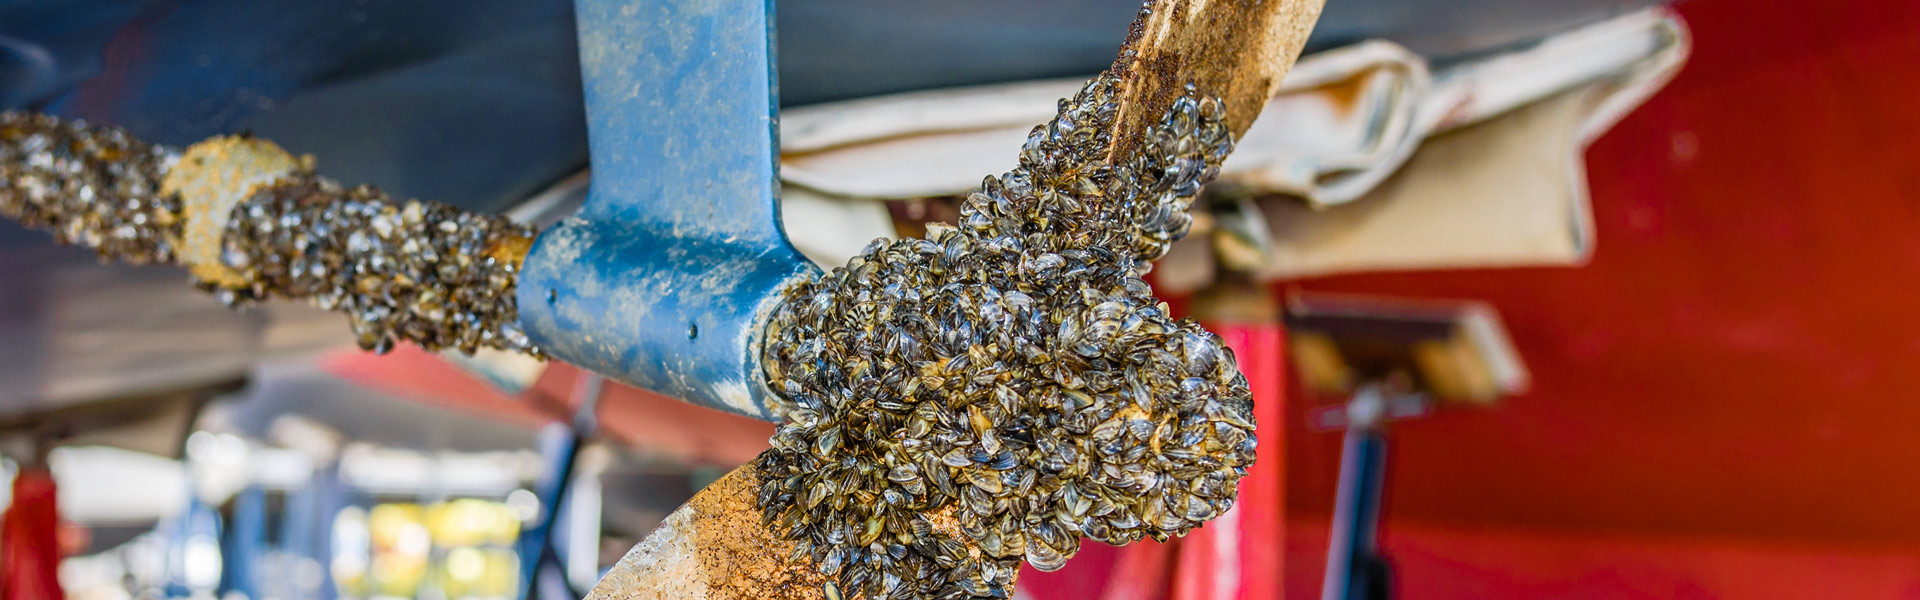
column 211, row 178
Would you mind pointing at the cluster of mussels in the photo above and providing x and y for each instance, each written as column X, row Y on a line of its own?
column 424, row 272
column 1011, row 375
column 91, row 186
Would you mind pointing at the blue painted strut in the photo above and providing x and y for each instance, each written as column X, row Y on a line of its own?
column 665, row 276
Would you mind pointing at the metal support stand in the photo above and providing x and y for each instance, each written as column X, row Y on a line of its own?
column 542, row 573
column 1356, row 570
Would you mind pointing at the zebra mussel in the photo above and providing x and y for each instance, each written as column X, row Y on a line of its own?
column 1004, row 386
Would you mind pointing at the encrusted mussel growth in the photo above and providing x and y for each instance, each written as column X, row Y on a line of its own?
column 417, row 271
column 91, row 186
column 1011, row 374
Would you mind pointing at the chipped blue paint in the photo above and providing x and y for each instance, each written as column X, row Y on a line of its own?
column 665, row 276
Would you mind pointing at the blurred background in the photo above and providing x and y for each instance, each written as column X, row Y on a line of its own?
column 1572, row 298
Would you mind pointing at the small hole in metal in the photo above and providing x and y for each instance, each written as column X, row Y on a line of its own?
column 693, row 331
column 552, row 296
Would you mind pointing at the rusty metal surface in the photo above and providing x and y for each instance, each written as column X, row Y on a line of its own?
column 1237, row 50
column 713, row 548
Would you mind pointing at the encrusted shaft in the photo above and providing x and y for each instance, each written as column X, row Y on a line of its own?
column 418, row 271
column 90, row 186
column 252, row 222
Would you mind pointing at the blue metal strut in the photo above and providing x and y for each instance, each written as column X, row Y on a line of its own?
column 664, row 277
